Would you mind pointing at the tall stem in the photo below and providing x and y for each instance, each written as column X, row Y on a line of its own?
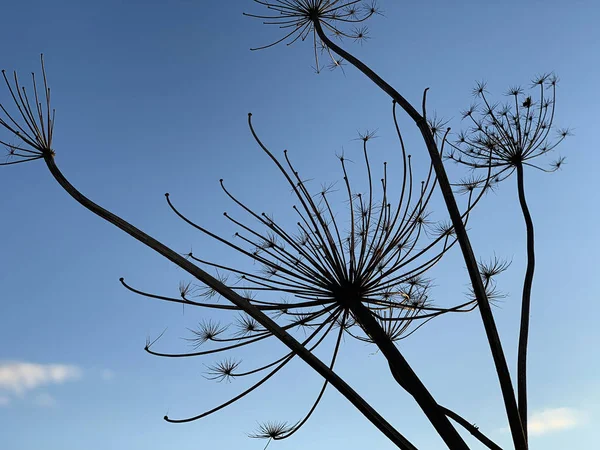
column 485, row 310
column 526, row 302
column 295, row 346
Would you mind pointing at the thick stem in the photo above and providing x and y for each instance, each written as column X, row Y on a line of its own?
column 526, row 302
column 474, row 430
column 295, row 346
column 485, row 310
column 406, row 377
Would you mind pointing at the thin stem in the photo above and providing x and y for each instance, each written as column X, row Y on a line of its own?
column 526, row 302
column 474, row 430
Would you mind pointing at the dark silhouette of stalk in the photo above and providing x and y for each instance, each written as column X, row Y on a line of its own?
column 472, row 429
column 506, row 386
column 406, row 377
column 526, row 301
column 237, row 300
column 32, row 125
column 364, row 284
column 305, row 19
column 338, row 282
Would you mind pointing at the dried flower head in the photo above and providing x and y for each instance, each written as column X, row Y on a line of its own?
column 371, row 256
column 504, row 136
column 271, row 431
column 31, row 123
column 488, row 271
column 342, row 18
column 208, row 330
column 223, row 370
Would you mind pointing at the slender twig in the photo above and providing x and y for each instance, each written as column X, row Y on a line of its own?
column 473, row 429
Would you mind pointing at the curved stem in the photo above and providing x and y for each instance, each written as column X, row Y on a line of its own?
column 367, row 410
column 526, row 302
column 485, row 310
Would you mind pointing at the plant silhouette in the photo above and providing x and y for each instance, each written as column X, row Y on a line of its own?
column 360, row 270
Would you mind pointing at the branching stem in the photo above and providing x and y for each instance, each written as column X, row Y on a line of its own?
column 365, row 408
column 487, row 317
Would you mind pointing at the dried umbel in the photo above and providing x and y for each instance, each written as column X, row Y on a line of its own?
column 30, row 123
column 373, row 254
column 342, row 18
column 517, row 132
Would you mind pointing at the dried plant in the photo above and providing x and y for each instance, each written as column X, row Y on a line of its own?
column 361, row 271
column 506, row 138
column 31, row 126
column 270, row 431
column 343, row 18
column 319, row 22
column 511, row 134
column 367, row 281
column 332, row 269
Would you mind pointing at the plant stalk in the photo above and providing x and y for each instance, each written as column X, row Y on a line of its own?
column 367, row 410
column 526, row 302
column 406, row 377
column 487, row 317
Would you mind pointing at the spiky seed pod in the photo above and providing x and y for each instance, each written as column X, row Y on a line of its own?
column 208, row 330
column 223, row 370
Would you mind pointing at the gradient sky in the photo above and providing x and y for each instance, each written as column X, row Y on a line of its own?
column 153, row 97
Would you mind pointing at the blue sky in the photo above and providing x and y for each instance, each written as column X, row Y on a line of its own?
column 153, row 97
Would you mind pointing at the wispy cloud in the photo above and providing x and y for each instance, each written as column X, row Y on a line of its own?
column 554, row 419
column 4, row 401
column 45, row 400
column 20, row 377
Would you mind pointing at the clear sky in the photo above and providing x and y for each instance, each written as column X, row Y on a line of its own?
column 153, row 97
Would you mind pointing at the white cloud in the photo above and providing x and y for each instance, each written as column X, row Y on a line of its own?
column 107, row 374
column 19, row 377
column 554, row 419
column 4, row 401
column 44, row 399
